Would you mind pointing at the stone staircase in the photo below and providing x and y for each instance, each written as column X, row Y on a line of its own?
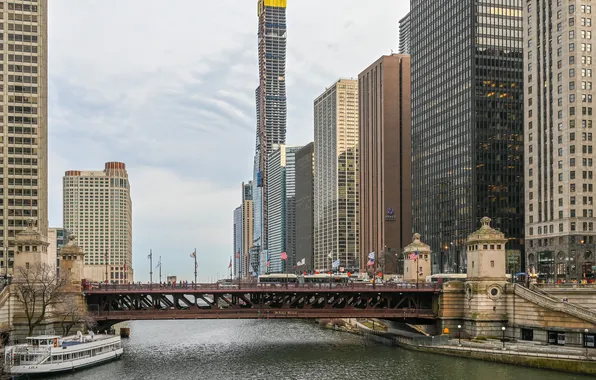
column 554, row 304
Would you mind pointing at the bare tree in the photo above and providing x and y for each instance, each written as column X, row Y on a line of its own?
column 70, row 314
column 38, row 288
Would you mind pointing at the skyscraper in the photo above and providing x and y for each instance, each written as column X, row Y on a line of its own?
column 247, row 229
column 385, row 160
column 404, row 35
column 237, row 267
column 304, row 206
column 270, row 101
column 467, row 122
column 336, row 206
column 24, row 154
column 559, row 137
column 282, row 213
column 98, row 210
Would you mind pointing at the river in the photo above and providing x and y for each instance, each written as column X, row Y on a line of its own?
column 267, row 349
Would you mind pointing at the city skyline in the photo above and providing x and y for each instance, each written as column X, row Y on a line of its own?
column 184, row 187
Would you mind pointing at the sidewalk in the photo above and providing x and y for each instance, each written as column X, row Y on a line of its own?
column 522, row 348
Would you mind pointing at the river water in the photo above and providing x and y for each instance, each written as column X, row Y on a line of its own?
column 267, row 349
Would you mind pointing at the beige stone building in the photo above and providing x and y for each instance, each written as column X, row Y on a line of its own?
column 336, row 200
column 23, row 123
column 98, row 210
column 559, row 139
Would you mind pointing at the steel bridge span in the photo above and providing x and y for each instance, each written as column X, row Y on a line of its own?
column 111, row 305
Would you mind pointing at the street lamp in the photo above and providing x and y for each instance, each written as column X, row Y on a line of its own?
column 459, row 334
column 503, row 329
column 586, row 341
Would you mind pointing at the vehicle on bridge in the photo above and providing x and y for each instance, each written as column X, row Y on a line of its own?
column 277, row 279
column 48, row 354
column 445, row 277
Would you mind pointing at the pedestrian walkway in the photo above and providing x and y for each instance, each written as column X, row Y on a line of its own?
column 523, row 348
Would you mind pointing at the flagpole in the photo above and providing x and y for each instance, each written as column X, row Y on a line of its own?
column 195, row 267
column 150, row 268
column 375, row 270
column 160, row 270
column 231, row 266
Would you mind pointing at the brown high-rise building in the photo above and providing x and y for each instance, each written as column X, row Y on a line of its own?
column 385, row 160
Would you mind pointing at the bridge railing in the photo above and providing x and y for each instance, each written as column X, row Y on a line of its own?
column 554, row 304
column 254, row 286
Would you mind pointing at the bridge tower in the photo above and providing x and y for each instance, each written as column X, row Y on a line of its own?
column 417, row 261
column 485, row 299
column 30, row 248
column 71, row 261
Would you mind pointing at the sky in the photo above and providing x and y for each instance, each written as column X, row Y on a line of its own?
column 168, row 89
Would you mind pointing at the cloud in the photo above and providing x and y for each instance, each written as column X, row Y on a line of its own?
column 169, row 90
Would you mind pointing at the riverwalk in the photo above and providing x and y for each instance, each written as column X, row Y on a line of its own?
column 531, row 354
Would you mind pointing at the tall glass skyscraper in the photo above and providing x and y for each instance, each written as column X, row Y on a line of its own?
column 270, row 100
column 467, row 123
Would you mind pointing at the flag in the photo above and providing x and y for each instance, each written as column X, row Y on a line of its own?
column 284, row 256
column 158, row 264
column 125, row 267
column 335, row 264
column 330, row 255
column 268, row 263
column 229, row 266
column 301, row 262
column 414, row 256
column 193, row 255
column 237, row 255
column 371, row 255
column 148, row 256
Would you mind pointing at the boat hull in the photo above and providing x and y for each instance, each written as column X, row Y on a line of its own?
column 66, row 366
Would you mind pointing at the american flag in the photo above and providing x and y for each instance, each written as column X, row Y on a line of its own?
column 284, row 256
column 268, row 263
column 371, row 262
column 237, row 255
column 414, row 256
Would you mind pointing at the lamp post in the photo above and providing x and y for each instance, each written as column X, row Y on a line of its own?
column 503, row 329
column 586, row 341
column 459, row 334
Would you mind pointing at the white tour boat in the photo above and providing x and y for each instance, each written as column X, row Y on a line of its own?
column 51, row 353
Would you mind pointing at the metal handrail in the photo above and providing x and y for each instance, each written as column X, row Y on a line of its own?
column 258, row 286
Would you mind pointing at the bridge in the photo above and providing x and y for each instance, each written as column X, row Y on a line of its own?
column 113, row 304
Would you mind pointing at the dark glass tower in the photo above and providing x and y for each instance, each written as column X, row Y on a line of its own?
column 467, row 124
column 270, row 97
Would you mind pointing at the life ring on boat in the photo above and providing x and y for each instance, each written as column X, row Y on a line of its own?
column 55, row 342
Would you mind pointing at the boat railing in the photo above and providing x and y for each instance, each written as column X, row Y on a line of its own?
column 26, row 355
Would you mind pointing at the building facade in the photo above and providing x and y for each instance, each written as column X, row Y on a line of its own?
column 238, row 234
column 281, row 188
column 247, row 230
column 385, row 161
column 57, row 238
column 304, row 207
column 559, row 133
column 467, row 123
column 24, row 153
column 270, row 100
column 336, row 206
column 404, row 35
column 98, row 210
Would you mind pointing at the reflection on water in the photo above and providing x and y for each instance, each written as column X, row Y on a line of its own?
column 266, row 349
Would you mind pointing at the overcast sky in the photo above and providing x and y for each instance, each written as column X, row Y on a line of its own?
column 168, row 88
